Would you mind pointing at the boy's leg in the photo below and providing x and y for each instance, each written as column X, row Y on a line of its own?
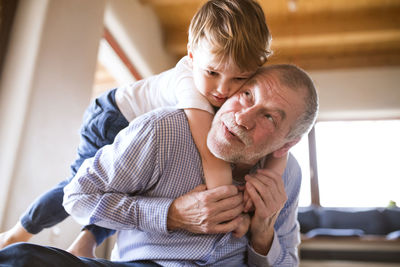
column 31, row 255
column 88, row 239
column 45, row 211
column 102, row 122
column 16, row 234
column 98, row 133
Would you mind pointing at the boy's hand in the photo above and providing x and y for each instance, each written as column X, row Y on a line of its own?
column 248, row 203
column 243, row 227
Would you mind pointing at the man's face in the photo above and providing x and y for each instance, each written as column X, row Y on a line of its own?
column 255, row 121
column 214, row 79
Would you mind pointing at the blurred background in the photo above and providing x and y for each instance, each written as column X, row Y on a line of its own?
column 57, row 55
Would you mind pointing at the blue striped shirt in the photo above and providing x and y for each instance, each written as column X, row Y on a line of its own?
column 129, row 186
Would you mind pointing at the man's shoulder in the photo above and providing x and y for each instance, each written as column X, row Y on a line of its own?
column 292, row 175
column 166, row 117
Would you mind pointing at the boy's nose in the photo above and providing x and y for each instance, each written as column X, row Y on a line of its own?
column 223, row 89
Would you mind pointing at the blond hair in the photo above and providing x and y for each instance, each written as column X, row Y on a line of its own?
column 235, row 29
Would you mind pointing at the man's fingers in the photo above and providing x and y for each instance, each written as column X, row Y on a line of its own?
column 229, row 214
column 221, row 193
column 229, row 203
column 267, row 199
column 255, row 197
column 267, row 174
column 269, row 179
column 228, row 226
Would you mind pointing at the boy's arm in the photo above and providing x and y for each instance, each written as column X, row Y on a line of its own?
column 216, row 171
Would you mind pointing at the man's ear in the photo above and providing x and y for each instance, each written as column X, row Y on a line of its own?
column 285, row 148
column 190, row 52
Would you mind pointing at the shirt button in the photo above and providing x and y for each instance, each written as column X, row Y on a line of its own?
column 91, row 171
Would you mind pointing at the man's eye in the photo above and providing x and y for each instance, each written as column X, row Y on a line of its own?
column 270, row 118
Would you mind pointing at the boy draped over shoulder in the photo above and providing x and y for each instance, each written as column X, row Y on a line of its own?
column 228, row 41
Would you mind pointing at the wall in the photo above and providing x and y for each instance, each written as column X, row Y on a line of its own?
column 358, row 93
column 136, row 28
column 45, row 87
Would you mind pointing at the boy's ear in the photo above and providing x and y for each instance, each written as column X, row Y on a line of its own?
column 190, row 52
column 285, row 148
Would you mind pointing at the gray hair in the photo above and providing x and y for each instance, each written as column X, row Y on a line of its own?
column 295, row 78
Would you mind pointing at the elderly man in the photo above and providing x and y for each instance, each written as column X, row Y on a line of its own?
column 146, row 184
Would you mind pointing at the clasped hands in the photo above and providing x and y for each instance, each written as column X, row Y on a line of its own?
column 224, row 209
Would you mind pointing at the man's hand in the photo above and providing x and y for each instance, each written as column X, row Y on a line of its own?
column 267, row 192
column 207, row 211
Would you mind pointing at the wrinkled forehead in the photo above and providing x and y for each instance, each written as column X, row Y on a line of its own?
column 263, row 79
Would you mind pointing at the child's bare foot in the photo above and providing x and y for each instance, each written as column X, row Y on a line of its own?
column 14, row 235
column 84, row 245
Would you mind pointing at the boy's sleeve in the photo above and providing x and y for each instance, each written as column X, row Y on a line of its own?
column 185, row 90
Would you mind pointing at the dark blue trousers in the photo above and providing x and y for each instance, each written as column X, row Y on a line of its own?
column 101, row 123
column 31, row 255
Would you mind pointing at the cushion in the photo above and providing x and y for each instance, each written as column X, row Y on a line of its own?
column 308, row 219
column 392, row 218
column 370, row 221
column 334, row 232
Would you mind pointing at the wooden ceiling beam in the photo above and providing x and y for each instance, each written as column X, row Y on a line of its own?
column 322, row 62
column 353, row 42
column 318, row 31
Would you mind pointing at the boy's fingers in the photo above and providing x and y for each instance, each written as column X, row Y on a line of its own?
column 248, row 205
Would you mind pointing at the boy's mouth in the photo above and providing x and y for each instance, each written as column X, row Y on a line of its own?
column 219, row 99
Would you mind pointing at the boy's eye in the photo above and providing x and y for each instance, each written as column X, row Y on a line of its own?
column 212, row 73
column 240, row 78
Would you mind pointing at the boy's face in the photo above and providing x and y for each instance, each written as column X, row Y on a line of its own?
column 214, row 79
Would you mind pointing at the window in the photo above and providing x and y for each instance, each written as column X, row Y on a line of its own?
column 357, row 164
column 113, row 66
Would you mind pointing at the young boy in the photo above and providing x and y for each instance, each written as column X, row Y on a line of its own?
column 228, row 41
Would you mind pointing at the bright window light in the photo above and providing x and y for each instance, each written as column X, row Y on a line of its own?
column 300, row 152
column 358, row 163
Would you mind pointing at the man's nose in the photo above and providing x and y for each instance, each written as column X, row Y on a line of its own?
column 245, row 118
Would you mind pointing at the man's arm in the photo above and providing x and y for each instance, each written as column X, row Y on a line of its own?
column 274, row 228
column 107, row 188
